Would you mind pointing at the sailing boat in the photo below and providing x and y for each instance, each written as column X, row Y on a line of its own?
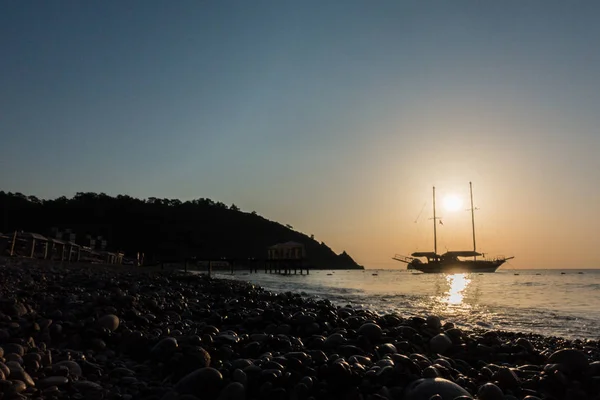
column 452, row 261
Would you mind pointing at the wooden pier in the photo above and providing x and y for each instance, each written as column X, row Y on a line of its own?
column 291, row 266
column 282, row 258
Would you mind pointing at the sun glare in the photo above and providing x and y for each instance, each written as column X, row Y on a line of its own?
column 452, row 203
column 458, row 283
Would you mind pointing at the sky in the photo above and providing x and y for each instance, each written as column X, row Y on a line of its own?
column 336, row 117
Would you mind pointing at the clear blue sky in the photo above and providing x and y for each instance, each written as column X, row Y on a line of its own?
column 336, row 117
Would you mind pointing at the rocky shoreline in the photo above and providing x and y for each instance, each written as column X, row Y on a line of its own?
column 95, row 332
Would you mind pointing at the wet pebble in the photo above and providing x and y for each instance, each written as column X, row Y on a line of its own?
column 489, row 391
column 573, row 360
column 440, row 343
column 52, row 381
column 426, row 388
column 372, row 331
column 205, row 382
column 109, row 321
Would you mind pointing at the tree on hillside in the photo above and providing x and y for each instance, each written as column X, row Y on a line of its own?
column 161, row 228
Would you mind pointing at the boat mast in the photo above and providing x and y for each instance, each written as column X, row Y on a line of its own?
column 434, row 225
column 473, row 219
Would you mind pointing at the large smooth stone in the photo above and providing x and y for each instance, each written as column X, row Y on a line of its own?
column 53, row 381
column 87, row 386
column 4, row 368
column 440, row 343
column 233, row 391
column 572, row 359
column 164, row 349
column 425, row 388
column 17, row 387
column 489, row 391
column 371, row 331
column 595, row 368
column 526, row 344
column 74, row 368
column 507, row 378
column 192, row 360
column 16, row 310
column 334, row 340
column 204, row 383
column 109, row 321
column 23, row 377
column 13, row 348
column 14, row 366
column 434, row 322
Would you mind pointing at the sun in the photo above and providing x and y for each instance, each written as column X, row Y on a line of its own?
column 452, row 203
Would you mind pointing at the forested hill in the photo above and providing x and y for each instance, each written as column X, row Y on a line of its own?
column 162, row 228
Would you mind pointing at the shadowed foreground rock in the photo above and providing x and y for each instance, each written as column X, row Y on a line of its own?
column 115, row 333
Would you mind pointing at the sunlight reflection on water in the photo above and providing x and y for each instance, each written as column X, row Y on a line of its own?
column 458, row 284
column 455, row 298
column 539, row 301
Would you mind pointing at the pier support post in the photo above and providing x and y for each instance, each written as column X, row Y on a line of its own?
column 12, row 246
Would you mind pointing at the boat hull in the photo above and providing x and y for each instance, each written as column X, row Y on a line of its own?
column 479, row 266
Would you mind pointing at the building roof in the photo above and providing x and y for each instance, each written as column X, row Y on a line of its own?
column 32, row 235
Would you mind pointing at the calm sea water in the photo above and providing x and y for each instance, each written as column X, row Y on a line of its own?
column 540, row 301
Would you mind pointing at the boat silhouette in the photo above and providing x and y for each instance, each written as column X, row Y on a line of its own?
column 451, row 261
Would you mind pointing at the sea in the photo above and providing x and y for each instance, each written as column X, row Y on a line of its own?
column 559, row 303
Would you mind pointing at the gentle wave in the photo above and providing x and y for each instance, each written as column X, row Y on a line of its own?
column 539, row 301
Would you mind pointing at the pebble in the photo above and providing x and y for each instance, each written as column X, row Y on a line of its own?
column 233, row 391
column 575, row 361
column 17, row 387
column 372, row 331
column 86, row 386
column 489, row 391
column 123, row 334
column 109, row 321
column 440, row 344
column 23, row 376
column 426, row 388
column 72, row 367
column 164, row 349
column 52, row 381
column 205, row 382
column 13, row 348
column 507, row 378
column 434, row 322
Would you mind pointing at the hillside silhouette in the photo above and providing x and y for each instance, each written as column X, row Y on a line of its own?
column 164, row 229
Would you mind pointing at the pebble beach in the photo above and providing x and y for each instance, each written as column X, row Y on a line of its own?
column 96, row 332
